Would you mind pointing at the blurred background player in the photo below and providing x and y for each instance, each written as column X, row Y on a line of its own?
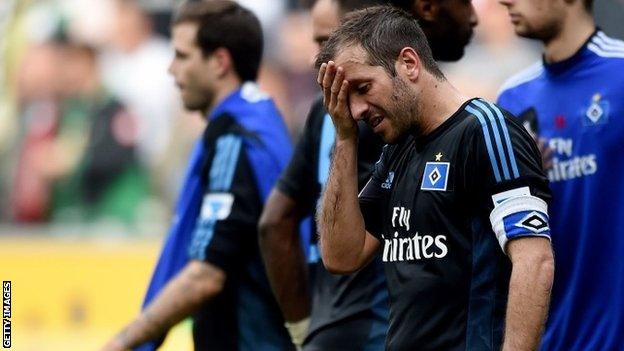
column 85, row 166
column 574, row 99
column 218, row 47
column 347, row 312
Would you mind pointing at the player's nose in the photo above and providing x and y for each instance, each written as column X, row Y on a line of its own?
column 359, row 108
column 474, row 19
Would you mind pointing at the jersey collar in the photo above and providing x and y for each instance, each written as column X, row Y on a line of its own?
column 422, row 141
column 563, row 66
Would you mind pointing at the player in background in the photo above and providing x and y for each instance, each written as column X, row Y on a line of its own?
column 574, row 100
column 346, row 312
column 218, row 47
column 456, row 206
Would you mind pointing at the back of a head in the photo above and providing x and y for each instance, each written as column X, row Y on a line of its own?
column 226, row 24
column 382, row 31
column 352, row 5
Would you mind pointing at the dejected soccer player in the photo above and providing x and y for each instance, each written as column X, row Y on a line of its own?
column 456, row 206
column 346, row 312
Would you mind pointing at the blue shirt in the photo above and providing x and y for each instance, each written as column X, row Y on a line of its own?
column 578, row 106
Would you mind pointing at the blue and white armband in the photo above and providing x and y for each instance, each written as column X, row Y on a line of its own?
column 520, row 216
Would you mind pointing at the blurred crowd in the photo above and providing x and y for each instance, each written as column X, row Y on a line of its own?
column 91, row 127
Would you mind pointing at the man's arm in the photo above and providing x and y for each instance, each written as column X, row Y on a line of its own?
column 346, row 246
column 529, row 292
column 283, row 256
column 183, row 295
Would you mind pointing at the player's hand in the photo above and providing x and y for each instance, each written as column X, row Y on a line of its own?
column 547, row 154
column 335, row 98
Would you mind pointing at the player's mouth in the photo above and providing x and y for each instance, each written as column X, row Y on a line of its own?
column 515, row 18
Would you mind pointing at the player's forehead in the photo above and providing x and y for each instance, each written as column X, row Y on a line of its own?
column 354, row 60
column 351, row 56
column 184, row 34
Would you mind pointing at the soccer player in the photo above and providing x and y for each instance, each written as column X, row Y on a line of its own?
column 347, row 312
column 574, row 99
column 456, row 205
column 218, row 47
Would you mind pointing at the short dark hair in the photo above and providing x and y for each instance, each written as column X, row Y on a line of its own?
column 226, row 24
column 352, row 5
column 382, row 31
column 589, row 5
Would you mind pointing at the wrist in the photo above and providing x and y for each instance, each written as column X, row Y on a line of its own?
column 346, row 140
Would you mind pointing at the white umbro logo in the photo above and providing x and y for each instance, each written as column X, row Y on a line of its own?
column 534, row 222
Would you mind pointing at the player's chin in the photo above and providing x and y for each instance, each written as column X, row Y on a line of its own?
column 389, row 136
column 191, row 104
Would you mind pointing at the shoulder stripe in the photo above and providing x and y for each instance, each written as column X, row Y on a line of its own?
column 607, row 46
column 488, row 143
column 526, row 75
column 610, row 40
column 224, row 162
column 602, row 53
column 220, row 179
column 496, row 130
column 501, row 118
column 202, row 235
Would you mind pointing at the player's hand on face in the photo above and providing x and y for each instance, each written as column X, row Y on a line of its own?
column 547, row 154
column 335, row 93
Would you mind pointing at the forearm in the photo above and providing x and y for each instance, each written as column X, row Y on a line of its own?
column 284, row 258
column 341, row 225
column 527, row 306
column 179, row 299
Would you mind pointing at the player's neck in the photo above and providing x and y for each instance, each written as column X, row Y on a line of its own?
column 438, row 103
column 224, row 88
column 577, row 27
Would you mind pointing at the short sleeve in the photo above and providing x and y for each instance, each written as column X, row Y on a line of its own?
column 298, row 180
column 225, row 231
column 505, row 171
column 372, row 196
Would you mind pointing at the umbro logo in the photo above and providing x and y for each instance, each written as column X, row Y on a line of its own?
column 533, row 222
column 388, row 183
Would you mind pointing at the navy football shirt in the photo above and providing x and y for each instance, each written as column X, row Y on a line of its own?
column 443, row 207
column 336, row 298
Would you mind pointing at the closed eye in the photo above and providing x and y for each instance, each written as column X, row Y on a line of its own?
column 363, row 88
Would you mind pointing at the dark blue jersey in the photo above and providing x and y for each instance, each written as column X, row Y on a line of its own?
column 443, row 207
column 245, row 147
column 336, row 299
column 578, row 106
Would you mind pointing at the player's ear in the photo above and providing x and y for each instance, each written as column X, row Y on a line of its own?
column 223, row 61
column 408, row 64
column 426, row 10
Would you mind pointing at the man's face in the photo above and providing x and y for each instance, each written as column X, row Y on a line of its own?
column 452, row 30
column 325, row 18
column 194, row 74
column 535, row 19
column 387, row 104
